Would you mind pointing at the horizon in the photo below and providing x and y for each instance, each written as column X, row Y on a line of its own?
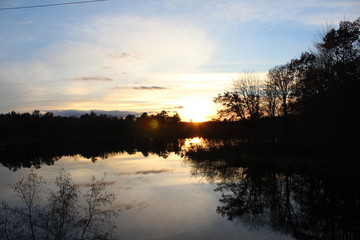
column 138, row 56
column 112, row 113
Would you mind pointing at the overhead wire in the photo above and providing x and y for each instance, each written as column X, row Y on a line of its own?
column 52, row 5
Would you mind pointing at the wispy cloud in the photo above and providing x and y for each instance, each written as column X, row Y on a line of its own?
column 105, row 79
column 124, row 55
column 153, row 171
column 118, row 55
column 174, row 107
column 130, row 205
column 149, row 88
column 142, row 88
column 146, row 172
column 101, row 51
column 89, row 184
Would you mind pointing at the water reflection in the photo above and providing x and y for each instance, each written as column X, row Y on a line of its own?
column 280, row 193
column 190, row 143
column 288, row 190
column 60, row 214
column 36, row 155
column 195, row 143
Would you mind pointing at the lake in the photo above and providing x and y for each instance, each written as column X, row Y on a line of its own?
column 198, row 193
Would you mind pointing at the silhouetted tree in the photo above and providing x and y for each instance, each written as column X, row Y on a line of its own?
column 244, row 102
column 130, row 118
column 233, row 106
column 92, row 114
column 282, row 82
column 28, row 189
column 163, row 115
column 175, row 118
column 48, row 115
column 270, row 100
column 36, row 114
column 144, row 115
column 332, row 70
column 62, row 216
column 248, row 86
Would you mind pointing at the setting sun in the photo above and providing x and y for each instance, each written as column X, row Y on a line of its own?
column 197, row 110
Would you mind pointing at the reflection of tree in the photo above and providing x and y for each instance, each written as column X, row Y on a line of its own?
column 290, row 199
column 62, row 216
column 260, row 199
column 35, row 155
column 298, row 205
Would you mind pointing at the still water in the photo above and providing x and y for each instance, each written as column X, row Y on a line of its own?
column 206, row 190
column 159, row 198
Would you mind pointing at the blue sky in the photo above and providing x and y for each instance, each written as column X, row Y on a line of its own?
column 149, row 55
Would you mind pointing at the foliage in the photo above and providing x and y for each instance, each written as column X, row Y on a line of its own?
column 49, row 127
column 328, row 73
column 282, row 80
column 320, row 90
column 233, row 106
column 270, row 100
column 244, row 101
column 62, row 216
column 28, row 190
column 61, row 213
column 95, row 220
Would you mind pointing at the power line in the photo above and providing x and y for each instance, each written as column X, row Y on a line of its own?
column 52, row 5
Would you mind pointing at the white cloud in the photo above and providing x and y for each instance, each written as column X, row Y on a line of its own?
column 105, row 49
column 153, row 43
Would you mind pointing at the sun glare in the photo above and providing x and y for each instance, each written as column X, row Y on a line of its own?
column 194, row 142
column 196, row 110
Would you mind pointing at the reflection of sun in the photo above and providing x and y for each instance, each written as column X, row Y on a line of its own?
column 196, row 110
column 193, row 142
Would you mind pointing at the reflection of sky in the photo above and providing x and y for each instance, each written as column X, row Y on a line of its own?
column 158, row 198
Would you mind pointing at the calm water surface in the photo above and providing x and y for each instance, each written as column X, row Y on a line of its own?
column 159, row 198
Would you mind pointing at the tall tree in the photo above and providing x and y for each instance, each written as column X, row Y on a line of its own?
column 248, row 86
column 244, row 102
column 282, row 81
column 270, row 100
column 328, row 79
column 233, row 106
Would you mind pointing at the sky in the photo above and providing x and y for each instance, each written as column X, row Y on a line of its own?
column 149, row 55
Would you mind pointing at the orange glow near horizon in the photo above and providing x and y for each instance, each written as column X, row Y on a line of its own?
column 194, row 143
column 196, row 110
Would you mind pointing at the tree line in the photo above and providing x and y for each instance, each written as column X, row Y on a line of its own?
column 47, row 126
column 320, row 88
column 330, row 70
